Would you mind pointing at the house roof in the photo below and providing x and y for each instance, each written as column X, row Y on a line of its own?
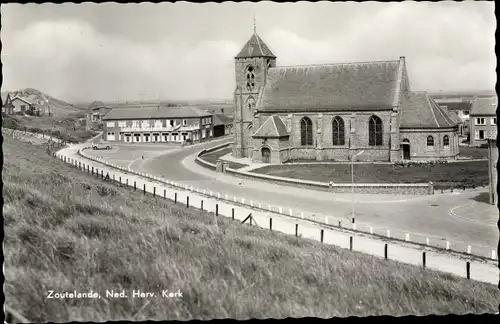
column 255, row 47
column 219, row 119
column 484, row 106
column 156, row 112
column 343, row 86
column 272, row 127
column 22, row 99
column 418, row 110
column 5, row 95
column 455, row 105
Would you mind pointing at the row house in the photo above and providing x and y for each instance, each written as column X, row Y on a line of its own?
column 158, row 124
column 483, row 120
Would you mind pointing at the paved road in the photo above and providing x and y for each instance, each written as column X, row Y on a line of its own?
column 480, row 270
column 441, row 218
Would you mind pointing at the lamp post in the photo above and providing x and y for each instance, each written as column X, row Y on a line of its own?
column 352, row 178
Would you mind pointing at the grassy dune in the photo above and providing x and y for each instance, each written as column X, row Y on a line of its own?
column 65, row 128
column 66, row 231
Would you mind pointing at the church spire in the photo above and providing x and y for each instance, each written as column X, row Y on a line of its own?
column 254, row 24
column 255, row 47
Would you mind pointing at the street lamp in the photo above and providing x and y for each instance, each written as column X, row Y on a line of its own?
column 352, row 178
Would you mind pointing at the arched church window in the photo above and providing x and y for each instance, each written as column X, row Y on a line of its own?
column 250, row 77
column 250, row 103
column 430, row 141
column 306, row 131
column 375, row 131
column 446, row 140
column 338, row 131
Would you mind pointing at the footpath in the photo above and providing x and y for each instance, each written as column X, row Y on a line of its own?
column 475, row 269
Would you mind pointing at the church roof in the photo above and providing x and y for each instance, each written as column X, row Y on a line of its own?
column 343, row 86
column 453, row 115
column 484, row 106
column 272, row 127
column 255, row 47
column 418, row 110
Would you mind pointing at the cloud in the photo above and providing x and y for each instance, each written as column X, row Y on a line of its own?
column 447, row 47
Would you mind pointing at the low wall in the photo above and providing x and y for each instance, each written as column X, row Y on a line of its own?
column 367, row 188
column 206, row 164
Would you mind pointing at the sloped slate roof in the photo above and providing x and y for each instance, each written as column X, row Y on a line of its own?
column 272, row 127
column 453, row 115
column 456, row 105
column 484, row 106
column 220, row 119
column 22, row 99
column 255, row 47
column 418, row 110
column 344, row 86
column 158, row 113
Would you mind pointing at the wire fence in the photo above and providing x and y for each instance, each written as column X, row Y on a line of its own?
column 339, row 222
column 237, row 209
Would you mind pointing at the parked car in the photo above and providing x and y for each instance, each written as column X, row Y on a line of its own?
column 101, row 146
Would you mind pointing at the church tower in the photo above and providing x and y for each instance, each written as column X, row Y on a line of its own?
column 251, row 64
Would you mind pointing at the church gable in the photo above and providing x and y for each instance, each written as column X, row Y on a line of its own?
column 365, row 86
column 272, row 127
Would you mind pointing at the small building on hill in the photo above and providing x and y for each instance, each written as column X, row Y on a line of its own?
column 158, row 124
column 7, row 106
column 97, row 110
column 483, row 120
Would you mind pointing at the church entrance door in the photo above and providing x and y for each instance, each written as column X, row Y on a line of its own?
column 266, row 155
column 406, row 149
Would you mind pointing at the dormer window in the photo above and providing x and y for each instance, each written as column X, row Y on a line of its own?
column 250, row 77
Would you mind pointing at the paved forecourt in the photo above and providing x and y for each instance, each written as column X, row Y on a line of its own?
column 479, row 270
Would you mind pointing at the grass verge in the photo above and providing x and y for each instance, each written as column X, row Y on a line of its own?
column 442, row 175
column 66, row 230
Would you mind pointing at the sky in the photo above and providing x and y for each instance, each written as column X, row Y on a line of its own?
column 185, row 51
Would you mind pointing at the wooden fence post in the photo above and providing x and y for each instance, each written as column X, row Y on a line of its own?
column 296, row 229
column 201, row 207
column 154, row 191
column 216, row 209
column 165, row 193
column 467, row 268
column 144, row 189
column 175, row 200
column 350, row 243
column 271, row 224
column 385, row 251
column 423, row 259
column 232, row 213
column 322, row 233
column 187, row 202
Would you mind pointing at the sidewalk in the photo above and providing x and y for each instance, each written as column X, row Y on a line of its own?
column 486, row 271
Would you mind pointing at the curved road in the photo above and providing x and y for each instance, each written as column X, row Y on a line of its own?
column 439, row 217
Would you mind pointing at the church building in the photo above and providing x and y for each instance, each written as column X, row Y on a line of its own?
column 331, row 112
